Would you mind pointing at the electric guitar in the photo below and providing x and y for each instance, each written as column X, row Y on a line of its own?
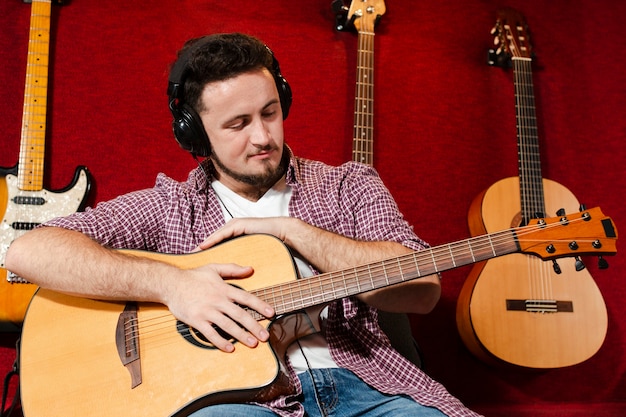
column 25, row 202
column 517, row 310
column 99, row 358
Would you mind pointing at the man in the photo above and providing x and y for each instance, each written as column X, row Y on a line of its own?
column 229, row 100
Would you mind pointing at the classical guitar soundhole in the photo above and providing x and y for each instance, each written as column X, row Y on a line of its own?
column 196, row 338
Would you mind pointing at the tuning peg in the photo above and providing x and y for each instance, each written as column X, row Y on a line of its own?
column 579, row 264
column 556, row 267
column 338, row 6
column 602, row 263
column 560, row 212
column 341, row 15
column 582, row 207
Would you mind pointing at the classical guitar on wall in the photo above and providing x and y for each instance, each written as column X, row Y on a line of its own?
column 117, row 358
column 518, row 309
column 22, row 197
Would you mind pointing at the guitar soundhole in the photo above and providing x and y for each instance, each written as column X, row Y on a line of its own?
column 196, row 338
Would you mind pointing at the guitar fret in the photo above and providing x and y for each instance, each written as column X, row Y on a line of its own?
column 434, row 262
column 451, row 256
column 493, row 249
column 417, row 268
column 385, row 275
column 469, row 246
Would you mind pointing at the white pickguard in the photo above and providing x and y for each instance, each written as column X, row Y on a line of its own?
column 55, row 204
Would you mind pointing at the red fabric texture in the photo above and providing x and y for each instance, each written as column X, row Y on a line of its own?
column 444, row 131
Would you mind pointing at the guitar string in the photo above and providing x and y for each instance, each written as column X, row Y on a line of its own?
column 283, row 297
column 538, row 275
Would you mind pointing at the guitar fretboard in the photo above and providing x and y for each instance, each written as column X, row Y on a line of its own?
column 32, row 145
column 363, row 140
column 531, row 180
column 303, row 293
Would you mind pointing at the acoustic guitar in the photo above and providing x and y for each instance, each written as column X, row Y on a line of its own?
column 518, row 310
column 99, row 358
column 25, row 202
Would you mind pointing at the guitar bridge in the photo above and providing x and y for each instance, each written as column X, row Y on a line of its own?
column 540, row 306
column 127, row 341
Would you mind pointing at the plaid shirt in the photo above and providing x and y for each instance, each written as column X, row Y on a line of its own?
column 351, row 200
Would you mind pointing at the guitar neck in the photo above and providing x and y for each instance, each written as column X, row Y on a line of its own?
column 586, row 233
column 531, row 180
column 32, row 145
column 363, row 137
column 320, row 289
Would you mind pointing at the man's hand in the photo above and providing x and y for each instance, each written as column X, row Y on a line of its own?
column 276, row 226
column 203, row 300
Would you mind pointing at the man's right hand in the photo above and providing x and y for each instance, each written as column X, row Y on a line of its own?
column 202, row 299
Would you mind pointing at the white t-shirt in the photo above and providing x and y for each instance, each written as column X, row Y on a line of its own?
column 310, row 351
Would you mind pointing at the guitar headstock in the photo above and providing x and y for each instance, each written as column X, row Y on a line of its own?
column 362, row 15
column 511, row 36
column 588, row 233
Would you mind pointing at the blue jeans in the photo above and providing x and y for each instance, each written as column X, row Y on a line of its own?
column 339, row 393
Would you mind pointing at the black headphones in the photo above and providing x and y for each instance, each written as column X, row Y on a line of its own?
column 187, row 125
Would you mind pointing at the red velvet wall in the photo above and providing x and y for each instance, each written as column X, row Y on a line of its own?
column 444, row 131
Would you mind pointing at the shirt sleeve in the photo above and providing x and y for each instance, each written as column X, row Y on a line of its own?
column 376, row 213
column 353, row 201
column 165, row 218
column 122, row 222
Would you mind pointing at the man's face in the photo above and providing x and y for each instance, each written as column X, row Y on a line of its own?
column 243, row 119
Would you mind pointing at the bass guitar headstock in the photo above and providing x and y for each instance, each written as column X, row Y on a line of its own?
column 361, row 15
column 511, row 38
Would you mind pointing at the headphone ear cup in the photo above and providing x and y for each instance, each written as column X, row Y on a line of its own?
column 284, row 93
column 189, row 131
column 284, row 89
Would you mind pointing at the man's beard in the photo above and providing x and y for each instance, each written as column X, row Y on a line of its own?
column 265, row 180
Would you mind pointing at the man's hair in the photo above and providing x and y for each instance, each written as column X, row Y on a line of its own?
column 218, row 57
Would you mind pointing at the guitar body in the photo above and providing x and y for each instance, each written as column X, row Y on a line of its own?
column 499, row 334
column 70, row 364
column 23, row 210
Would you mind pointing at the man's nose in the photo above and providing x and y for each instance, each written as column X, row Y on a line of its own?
column 259, row 133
